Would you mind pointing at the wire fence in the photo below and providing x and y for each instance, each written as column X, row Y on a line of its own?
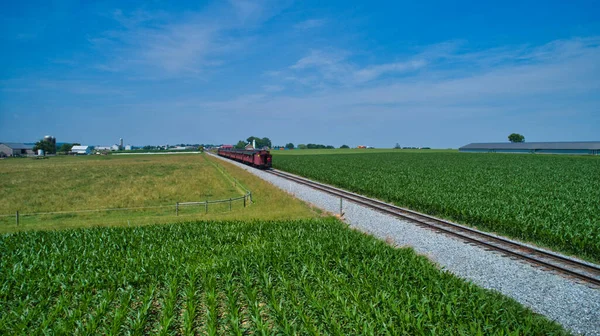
column 131, row 214
column 196, row 209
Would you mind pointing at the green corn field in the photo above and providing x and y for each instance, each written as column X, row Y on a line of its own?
column 237, row 278
column 553, row 201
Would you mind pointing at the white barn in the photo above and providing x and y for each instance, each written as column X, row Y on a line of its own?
column 81, row 150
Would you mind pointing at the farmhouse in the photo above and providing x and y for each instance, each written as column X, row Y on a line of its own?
column 15, row 149
column 579, row 148
column 81, row 150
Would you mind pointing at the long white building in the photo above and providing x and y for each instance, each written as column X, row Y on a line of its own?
column 81, row 150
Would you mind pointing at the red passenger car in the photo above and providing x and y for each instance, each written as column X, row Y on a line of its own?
column 258, row 158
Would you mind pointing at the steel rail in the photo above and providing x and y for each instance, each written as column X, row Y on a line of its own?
column 587, row 272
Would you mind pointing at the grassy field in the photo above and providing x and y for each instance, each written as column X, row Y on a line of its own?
column 550, row 200
column 239, row 278
column 66, row 184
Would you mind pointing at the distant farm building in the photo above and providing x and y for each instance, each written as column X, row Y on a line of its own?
column 183, row 148
column 81, row 150
column 15, row 149
column 578, row 148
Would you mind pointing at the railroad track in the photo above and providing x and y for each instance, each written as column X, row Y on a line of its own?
column 582, row 272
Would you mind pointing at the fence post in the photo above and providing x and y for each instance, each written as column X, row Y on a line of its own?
column 17, row 217
column 341, row 199
column 250, row 197
column 245, row 200
column 206, row 207
column 177, row 209
column 230, row 204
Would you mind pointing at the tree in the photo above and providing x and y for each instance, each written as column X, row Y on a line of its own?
column 397, row 146
column 515, row 137
column 344, row 146
column 265, row 142
column 301, row 146
column 260, row 142
column 47, row 146
column 318, row 146
column 240, row 145
column 255, row 139
column 66, row 148
column 289, row 146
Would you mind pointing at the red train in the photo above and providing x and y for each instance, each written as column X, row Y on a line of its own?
column 258, row 158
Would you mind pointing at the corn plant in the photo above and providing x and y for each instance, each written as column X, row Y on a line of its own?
column 553, row 201
column 280, row 277
column 121, row 313
column 141, row 316
column 168, row 309
column 190, row 305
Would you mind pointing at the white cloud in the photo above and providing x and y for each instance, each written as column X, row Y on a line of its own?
column 273, row 88
column 560, row 76
column 310, row 24
column 246, row 9
column 320, row 59
column 184, row 45
column 372, row 72
column 335, row 68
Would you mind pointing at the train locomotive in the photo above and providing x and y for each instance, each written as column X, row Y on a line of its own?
column 258, row 158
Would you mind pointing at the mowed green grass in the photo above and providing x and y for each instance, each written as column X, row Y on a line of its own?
column 550, row 200
column 240, row 278
column 68, row 184
column 76, row 183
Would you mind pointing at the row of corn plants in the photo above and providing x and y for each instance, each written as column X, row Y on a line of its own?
column 552, row 201
column 238, row 278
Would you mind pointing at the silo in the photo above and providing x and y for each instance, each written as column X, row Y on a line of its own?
column 121, row 143
column 52, row 140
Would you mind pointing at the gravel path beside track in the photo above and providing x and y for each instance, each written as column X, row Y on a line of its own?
column 575, row 306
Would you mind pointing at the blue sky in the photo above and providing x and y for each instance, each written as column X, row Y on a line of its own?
column 422, row 73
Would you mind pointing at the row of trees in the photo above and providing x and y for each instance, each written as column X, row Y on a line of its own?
column 266, row 142
column 260, row 142
column 315, row 146
column 312, row 146
column 50, row 148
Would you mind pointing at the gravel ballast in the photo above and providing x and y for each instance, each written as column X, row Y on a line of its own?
column 573, row 305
